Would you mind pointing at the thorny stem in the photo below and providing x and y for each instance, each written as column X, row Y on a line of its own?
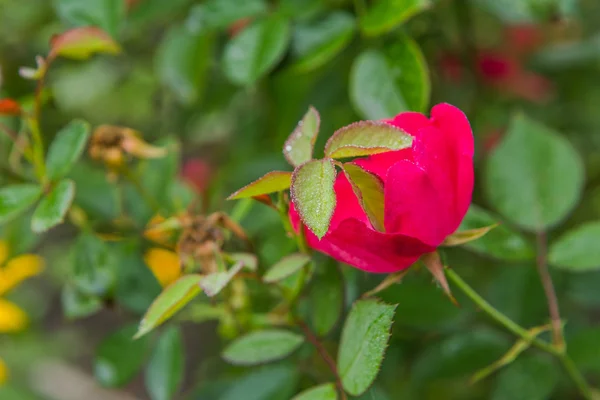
column 542, row 267
column 312, row 338
column 558, row 352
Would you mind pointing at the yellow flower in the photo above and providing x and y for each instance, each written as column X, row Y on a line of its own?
column 164, row 264
column 12, row 273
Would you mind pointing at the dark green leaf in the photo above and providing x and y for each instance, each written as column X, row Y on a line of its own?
column 119, row 357
column 182, row 62
column 502, row 242
column 529, row 377
column 106, row 14
column 385, row 15
column 218, row 14
column 316, row 43
column 164, row 373
column 578, row 250
column 272, row 182
column 325, row 391
column 534, row 176
column 313, row 194
column 15, row 199
column 52, row 209
column 67, row 147
column 365, row 138
column 298, row 149
column 326, row 298
column 368, row 188
column 362, row 346
column 76, row 304
column 286, row 267
column 256, row 50
column 383, row 84
column 95, row 194
column 93, row 266
column 262, row 346
column 584, row 349
column 268, row 383
column 172, row 299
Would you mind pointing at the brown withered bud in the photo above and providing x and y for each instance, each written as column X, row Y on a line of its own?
column 109, row 144
column 204, row 236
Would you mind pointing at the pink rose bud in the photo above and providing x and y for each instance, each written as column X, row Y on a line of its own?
column 197, row 173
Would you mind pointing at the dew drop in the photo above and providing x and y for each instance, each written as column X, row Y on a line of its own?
column 288, row 148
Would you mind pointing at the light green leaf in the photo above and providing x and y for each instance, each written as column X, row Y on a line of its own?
column 172, row 299
column 106, row 14
column 385, row 15
column 578, row 250
column 325, row 391
column 15, row 199
column 383, row 84
column 119, row 358
column 76, row 304
column 326, row 298
column 530, row 377
column 298, row 149
column 182, row 62
column 262, row 346
column 248, row 260
column 93, row 271
column 52, row 209
column 82, row 43
column 218, row 14
column 365, row 138
column 286, row 267
column 272, row 182
column 256, row 50
column 164, row 373
column 313, row 195
column 276, row 382
column 502, row 242
column 66, row 148
column 534, row 176
column 364, row 339
column 368, row 188
column 212, row 284
column 316, row 43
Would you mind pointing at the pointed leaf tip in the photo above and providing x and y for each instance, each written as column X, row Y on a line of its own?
column 298, row 148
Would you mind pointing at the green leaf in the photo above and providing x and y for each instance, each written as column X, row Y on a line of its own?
column 368, row 188
column 463, row 237
column 298, row 149
column 534, row 176
column 530, row 377
column 95, row 194
column 313, row 195
column 364, row 339
column 119, row 357
column 93, row 270
column 212, row 284
column 326, row 298
column 365, row 138
column 325, row 391
column 52, row 209
column 578, row 250
column 248, row 260
column 66, row 148
column 172, row 299
column 316, row 43
column 256, row 50
column 584, row 349
column 502, row 242
column 272, row 182
column 385, row 15
column 106, row 14
column 286, row 267
column 218, row 14
column 164, row 373
column 383, row 84
column 262, row 346
column 76, row 304
column 15, row 199
column 82, row 43
column 269, row 383
column 183, row 60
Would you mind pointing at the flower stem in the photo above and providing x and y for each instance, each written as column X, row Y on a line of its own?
column 557, row 351
column 542, row 267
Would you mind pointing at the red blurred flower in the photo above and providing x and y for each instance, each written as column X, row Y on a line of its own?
column 427, row 192
column 197, row 173
column 238, row 26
